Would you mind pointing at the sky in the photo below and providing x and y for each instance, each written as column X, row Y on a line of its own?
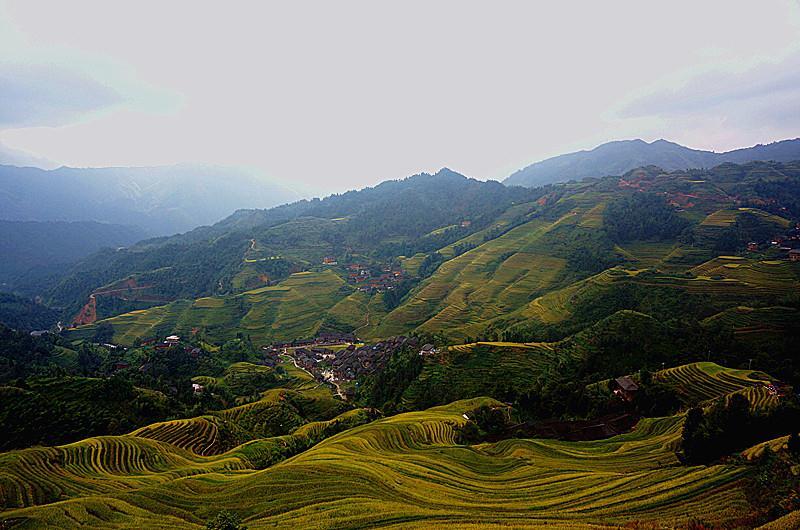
column 329, row 96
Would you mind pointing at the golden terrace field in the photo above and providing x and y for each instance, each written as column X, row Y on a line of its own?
column 294, row 308
column 405, row 471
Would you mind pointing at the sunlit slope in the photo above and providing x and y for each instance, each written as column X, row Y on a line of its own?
column 756, row 325
column 294, row 308
column 702, row 383
column 115, row 464
column 107, row 464
column 499, row 276
column 503, row 222
column 725, row 280
column 411, row 471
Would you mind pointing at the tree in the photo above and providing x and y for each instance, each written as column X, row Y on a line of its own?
column 794, row 443
column 104, row 333
column 226, row 520
column 691, row 443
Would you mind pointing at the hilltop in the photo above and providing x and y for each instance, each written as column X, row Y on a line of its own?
column 619, row 157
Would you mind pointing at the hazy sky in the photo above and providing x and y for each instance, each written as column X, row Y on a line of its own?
column 335, row 95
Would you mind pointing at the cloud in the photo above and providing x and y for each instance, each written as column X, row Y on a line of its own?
column 49, row 95
column 723, row 108
column 715, row 89
column 342, row 95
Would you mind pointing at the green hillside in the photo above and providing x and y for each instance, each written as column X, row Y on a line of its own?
column 253, row 247
column 649, row 241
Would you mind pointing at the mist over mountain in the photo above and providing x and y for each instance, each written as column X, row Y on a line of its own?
column 15, row 157
column 160, row 200
column 31, row 251
column 616, row 158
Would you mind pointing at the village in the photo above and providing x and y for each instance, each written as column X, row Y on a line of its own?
column 340, row 359
column 367, row 278
column 788, row 242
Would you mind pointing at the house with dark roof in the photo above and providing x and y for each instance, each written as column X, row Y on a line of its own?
column 624, row 387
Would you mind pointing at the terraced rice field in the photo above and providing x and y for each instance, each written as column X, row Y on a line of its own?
column 699, row 383
column 408, row 471
column 107, row 464
column 755, row 324
column 154, row 454
column 648, row 253
column 501, row 223
column 468, row 291
column 200, row 435
column 294, row 308
column 558, row 305
column 721, row 218
column 775, row 445
column 774, row 277
column 712, row 226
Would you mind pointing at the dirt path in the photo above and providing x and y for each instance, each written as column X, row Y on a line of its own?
column 362, row 327
column 335, row 384
column 88, row 313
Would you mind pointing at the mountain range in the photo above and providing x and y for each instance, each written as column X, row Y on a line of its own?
column 616, row 158
column 161, row 200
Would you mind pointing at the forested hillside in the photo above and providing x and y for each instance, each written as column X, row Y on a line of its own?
column 254, row 248
column 31, row 252
column 535, row 265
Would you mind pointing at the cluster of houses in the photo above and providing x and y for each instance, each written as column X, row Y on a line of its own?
column 317, row 344
column 789, row 243
column 322, row 339
column 351, row 363
column 345, row 364
column 362, row 277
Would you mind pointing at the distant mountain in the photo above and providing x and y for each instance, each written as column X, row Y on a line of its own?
column 32, row 250
column 616, row 158
column 162, row 200
column 15, row 157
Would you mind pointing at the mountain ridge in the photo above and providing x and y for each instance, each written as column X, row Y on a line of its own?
column 160, row 199
column 619, row 156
